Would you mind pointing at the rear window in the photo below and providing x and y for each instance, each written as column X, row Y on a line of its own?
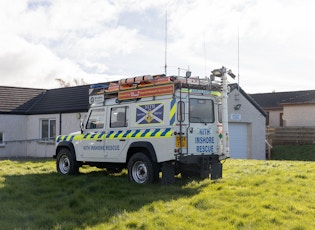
column 201, row 110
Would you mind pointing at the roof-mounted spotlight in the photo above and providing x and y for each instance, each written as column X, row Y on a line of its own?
column 217, row 72
column 188, row 73
column 232, row 75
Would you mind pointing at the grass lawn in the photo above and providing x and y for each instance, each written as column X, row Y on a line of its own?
column 252, row 195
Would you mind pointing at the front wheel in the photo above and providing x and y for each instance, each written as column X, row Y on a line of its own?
column 66, row 162
column 142, row 170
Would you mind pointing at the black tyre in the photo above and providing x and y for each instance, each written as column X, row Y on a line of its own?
column 142, row 170
column 66, row 162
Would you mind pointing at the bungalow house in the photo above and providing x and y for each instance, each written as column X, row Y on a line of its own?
column 288, row 109
column 31, row 118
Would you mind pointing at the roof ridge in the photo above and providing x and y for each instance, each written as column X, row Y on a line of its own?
column 40, row 96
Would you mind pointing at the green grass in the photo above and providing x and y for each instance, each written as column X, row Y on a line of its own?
column 252, row 195
column 293, row 152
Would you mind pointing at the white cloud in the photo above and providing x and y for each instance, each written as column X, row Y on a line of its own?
column 99, row 39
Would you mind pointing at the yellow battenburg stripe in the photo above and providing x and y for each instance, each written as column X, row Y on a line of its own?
column 172, row 111
column 120, row 134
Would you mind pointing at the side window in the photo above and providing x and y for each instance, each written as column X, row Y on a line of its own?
column 1, row 139
column 96, row 119
column 118, row 117
column 48, row 129
column 181, row 111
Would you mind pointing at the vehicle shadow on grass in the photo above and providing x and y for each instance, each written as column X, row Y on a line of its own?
column 54, row 201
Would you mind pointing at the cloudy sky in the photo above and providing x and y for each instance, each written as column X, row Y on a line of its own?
column 100, row 40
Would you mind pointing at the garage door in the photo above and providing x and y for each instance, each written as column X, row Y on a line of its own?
column 238, row 140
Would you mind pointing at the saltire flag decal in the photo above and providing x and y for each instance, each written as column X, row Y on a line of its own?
column 150, row 114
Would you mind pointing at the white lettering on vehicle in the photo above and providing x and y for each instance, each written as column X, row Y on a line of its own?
column 101, row 147
column 204, row 142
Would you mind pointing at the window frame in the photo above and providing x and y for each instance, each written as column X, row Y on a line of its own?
column 50, row 136
column 181, row 111
column 192, row 111
column 2, row 142
column 101, row 115
column 112, row 113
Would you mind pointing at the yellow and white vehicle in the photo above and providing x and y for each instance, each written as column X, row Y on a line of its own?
column 151, row 124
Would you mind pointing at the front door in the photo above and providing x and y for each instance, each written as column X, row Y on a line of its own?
column 93, row 141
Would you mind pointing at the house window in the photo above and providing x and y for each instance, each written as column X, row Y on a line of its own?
column 281, row 119
column 48, row 129
column 1, row 139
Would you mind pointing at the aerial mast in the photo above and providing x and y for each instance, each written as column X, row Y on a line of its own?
column 165, row 66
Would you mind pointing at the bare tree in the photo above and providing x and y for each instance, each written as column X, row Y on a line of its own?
column 75, row 82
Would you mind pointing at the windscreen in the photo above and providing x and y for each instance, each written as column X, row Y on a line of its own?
column 201, row 110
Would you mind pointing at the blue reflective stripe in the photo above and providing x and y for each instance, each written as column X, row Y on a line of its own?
column 117, row 134
column 101, row 134
column 126, row 133
column 173, row 102
column 71, row 138
column 165, row 131
column 86, row 135
column 145, row 132
column 155, row 132
column 135, row 133
column 172, row 120
column 110, row 133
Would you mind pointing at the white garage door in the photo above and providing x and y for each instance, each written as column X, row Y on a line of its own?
column 238, row 140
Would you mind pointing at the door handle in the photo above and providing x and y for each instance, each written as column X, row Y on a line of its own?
column 99, row 140
column 191, row 129
column 122, row 139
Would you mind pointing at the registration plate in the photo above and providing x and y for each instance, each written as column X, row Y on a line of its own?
column 184, row 144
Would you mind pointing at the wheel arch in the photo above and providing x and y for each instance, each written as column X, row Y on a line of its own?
column 65, row 144
column 145, row 146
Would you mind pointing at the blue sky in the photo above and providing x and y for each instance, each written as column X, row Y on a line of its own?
column 101, row 40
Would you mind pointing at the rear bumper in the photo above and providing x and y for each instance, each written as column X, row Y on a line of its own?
column 204, row 165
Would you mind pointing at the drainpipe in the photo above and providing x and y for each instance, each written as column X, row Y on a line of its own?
column 60, row 122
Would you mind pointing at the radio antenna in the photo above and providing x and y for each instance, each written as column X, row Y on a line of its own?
column 165, row 67
column 238, row 58
column 204, row 54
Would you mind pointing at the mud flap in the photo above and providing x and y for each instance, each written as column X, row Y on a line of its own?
column 168, row 173
column 216, row 170
column 201, row 166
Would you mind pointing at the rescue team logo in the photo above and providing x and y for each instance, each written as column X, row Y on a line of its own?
column 150, row 114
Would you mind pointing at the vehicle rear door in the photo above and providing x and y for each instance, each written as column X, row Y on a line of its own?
column 201, row 131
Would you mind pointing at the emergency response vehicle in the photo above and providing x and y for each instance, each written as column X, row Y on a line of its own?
column 152, row 124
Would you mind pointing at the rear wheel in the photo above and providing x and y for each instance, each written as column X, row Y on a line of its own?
column 142, row 170
column 66, row 163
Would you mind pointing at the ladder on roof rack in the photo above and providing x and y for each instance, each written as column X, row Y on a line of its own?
column 146, row 86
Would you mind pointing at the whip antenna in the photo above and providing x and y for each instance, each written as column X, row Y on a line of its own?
column 165, row 67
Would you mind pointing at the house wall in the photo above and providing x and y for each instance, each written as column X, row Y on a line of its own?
column 255, row 122
column 22, row 133
column 299, row 115
column 13, row 128
column 65, row 123
column 274, row 117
